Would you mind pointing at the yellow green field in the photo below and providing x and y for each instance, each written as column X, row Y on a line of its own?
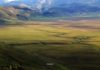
column 65, row 46
column 46, row 32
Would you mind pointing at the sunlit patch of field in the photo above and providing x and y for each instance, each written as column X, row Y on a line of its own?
column 50, row 46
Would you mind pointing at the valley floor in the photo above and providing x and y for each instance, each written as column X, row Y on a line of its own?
column 60, row 45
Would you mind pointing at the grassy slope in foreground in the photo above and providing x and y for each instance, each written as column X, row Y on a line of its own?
column 49, row 47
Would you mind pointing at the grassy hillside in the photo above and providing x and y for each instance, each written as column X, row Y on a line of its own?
column 49, row 46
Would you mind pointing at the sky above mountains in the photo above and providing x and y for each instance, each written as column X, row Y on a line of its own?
column 49, row 3
column 57, row 1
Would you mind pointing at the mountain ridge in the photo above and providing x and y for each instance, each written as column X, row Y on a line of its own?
column 21, row 10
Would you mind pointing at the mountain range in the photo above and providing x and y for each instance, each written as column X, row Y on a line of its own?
column 30, row 9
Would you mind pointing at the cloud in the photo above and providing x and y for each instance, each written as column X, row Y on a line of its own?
column 49, row 2
column 40, row 3
column 7, row 1
column 43, row 3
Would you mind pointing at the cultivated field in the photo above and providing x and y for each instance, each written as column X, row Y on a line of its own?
column 59, row 45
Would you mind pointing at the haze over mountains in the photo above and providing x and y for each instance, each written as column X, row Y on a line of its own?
column 27, row 9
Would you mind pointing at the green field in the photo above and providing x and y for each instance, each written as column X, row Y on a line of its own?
column 49, row 46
